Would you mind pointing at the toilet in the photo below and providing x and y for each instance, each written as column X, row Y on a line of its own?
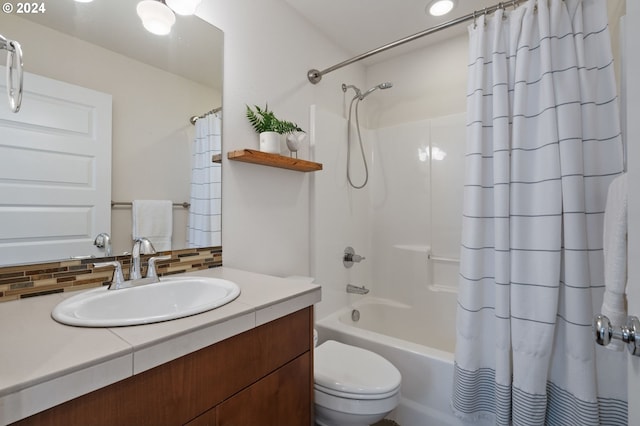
column 353, row 386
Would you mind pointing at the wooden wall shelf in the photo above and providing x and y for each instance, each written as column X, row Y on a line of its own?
column 273, row 160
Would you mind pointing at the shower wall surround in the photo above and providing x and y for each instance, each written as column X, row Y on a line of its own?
column 411, row 207
column 417, row 206
column 38, row 279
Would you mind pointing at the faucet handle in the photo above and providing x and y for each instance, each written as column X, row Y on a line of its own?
column 350, row 257
column 118, row 278
column 151, row 269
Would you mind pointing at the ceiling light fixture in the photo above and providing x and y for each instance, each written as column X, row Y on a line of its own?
column 84, row 1
column 183, row 7
column 440, row 7
column 156, row 16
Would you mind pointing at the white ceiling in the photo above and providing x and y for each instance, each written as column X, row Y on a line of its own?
column 114, row 25
column 363, row 25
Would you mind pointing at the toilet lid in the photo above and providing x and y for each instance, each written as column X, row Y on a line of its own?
column 344, row 369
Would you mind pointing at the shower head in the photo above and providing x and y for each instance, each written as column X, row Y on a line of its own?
column 351, row 86
column 385, row 85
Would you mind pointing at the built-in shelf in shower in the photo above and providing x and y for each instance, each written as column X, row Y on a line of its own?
column 273, row 160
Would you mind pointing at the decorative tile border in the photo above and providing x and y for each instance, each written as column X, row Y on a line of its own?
column 37, row 279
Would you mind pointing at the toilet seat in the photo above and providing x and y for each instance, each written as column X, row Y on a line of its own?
column 357, row 396
column 350, row 372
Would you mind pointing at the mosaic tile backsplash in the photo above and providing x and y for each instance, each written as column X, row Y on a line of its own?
column 68, row 275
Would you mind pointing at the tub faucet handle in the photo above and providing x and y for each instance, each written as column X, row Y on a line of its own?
column 350, row 257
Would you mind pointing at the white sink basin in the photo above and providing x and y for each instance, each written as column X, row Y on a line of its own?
column 168, row 299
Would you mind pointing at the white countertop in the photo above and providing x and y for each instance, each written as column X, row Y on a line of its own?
column 44, row 363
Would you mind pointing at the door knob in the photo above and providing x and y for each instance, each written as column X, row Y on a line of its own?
column 628, row 333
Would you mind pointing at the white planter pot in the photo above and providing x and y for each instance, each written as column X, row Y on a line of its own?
column 270, row 142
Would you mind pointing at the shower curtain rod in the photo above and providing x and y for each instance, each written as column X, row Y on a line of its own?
column 195, row 118
column 315, row 75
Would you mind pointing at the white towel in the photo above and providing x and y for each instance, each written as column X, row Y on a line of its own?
column 153, row 219
column 615, row 256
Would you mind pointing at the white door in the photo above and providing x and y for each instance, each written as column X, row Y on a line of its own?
column 632, row 56
column 55, row 171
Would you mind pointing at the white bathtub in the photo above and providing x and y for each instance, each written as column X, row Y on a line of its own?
column 417, row 341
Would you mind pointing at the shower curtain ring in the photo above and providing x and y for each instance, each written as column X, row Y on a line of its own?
column 475, row 23
column 503, row 9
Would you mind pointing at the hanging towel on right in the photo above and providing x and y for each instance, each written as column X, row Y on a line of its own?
column 614, row 304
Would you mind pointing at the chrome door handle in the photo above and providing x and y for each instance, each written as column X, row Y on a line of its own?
column 628, row 333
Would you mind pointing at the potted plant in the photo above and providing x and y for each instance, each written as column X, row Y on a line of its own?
column 269, row 127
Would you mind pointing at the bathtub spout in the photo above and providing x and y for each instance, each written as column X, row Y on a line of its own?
column 356, row 290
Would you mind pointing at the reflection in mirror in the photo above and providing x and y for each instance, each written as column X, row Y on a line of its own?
column 155, row 85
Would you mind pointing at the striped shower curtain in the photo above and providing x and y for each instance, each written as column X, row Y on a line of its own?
column 205, row 213
column 543, row 144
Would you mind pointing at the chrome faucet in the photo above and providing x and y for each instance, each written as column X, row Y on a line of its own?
column 103, row 240
column 356, row 290
column 118, row 282
column 140, row 246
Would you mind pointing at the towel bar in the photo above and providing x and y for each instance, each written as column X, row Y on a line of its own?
column 129, row 204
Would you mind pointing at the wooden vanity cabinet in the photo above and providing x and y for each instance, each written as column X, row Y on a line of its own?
column 263, row 376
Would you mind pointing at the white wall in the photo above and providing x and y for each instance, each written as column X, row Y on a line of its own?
column 267, row 223
column 429, row 82
column 417, row 206
column 268, row 50
column 341, row 215
column 408, row 204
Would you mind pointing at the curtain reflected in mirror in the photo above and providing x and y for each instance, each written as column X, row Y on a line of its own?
column 206, row 183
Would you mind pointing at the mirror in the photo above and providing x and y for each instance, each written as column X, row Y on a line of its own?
column 157, row 84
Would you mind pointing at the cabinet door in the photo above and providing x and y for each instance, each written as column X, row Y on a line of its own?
column 215, row 375
column 280, row 399
column 209, row 418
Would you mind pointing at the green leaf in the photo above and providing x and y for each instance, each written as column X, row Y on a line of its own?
column 263, row 120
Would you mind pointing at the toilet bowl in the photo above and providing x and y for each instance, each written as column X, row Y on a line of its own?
column 353, row 386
